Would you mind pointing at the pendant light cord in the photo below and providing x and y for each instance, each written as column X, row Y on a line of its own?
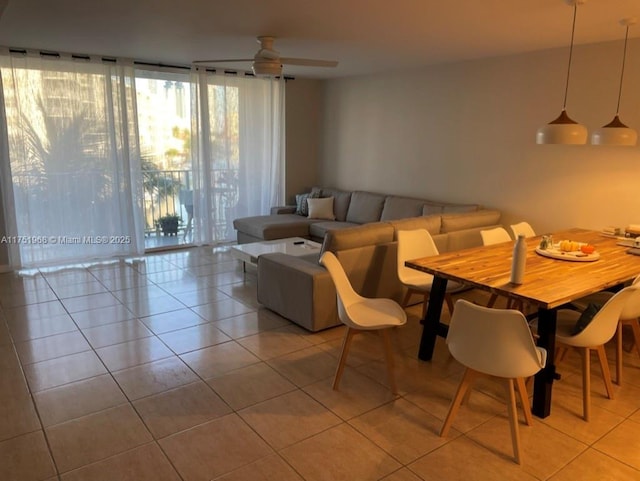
column 624, row 58
column 573, row 31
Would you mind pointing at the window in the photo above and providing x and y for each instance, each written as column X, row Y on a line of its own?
column 99, row 152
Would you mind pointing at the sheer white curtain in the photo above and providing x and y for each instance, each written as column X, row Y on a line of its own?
column 237, row 150
column 71, row 184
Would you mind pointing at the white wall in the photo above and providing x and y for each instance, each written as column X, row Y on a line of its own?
column 303, row 127
column 466, row 133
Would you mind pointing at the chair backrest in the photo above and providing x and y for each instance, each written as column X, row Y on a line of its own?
column 495, row 236
column 346, row 295
column 413, row 244
column 522, row 228
column 604, row 324
column 493, row 341
column 631, row 309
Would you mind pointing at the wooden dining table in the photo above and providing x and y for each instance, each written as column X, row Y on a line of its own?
column 548, row 284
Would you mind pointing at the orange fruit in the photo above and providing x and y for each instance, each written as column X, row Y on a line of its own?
column 587, row 249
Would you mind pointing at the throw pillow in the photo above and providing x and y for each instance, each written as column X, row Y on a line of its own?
column 302, row 207
column 321, row 208
column 585, row 318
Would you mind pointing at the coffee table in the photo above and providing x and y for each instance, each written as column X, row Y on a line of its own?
column 294, row 246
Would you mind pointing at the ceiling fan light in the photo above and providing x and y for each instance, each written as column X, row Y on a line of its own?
column 263, row 68
column 562, row 130
column 615, row 133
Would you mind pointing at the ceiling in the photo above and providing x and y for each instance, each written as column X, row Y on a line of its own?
column 365, row 36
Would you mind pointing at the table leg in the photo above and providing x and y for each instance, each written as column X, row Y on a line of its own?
column 544, row 379
column 431, row 322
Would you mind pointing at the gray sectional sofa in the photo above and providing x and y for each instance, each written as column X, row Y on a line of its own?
column 350, row 209
column 363, row 236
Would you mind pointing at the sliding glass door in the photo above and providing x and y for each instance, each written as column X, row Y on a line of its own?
column 101, row 159
column 164, row 129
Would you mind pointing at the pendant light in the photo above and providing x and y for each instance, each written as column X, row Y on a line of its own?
column 564, row 130
column 615, row 132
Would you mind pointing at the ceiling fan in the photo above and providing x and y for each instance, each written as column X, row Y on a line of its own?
column 268, row 62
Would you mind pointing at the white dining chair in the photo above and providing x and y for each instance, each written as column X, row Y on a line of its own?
column 498, row 343
column 593, row 336
column 361, row 314
column 493, row 236
column 523, row 228
column 415, row 244
column 630, row 316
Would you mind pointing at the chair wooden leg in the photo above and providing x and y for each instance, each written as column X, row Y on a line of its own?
column 635, row 325
column 524, row 400
column 606, row 374
column 492, row 300
column 619, row 354
column 449, row 300
column 425, row 302
column 513, row 422
column 407, row 296
column 528, row 384
column 388, row 354
column 586, row 383
column 465, row 383
column 467, row 396
column 561, row 351
column 346, row 344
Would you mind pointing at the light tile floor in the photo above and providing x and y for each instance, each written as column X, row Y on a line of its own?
column 167, row 368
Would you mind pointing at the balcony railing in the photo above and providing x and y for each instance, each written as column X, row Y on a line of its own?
column 85, row 195
column 170, row 193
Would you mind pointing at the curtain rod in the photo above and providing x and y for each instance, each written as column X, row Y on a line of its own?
column 49, row 53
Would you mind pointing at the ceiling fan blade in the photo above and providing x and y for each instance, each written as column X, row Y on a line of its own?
column 225, row 61
column 308, row 62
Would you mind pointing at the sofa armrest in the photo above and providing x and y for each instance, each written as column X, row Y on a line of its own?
column 283, row 209
column 297, row 289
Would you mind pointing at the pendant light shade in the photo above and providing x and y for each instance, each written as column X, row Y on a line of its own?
column 615, row 132
column 564, row 130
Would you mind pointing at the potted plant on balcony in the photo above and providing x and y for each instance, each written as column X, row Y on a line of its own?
column 169, row 224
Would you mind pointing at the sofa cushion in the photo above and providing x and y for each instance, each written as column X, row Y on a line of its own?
column 456, row 222
column 458, row 208
column 401, row 208
column 431, row 208
column 317, row 230
column 341, row 201
column 321, row 208
column 365, row 207
column 282, row 209
column 463, row 239
column 358, row 236
column 429, row 222
column 442, row 242
column 302, row 206
column 270, row 227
